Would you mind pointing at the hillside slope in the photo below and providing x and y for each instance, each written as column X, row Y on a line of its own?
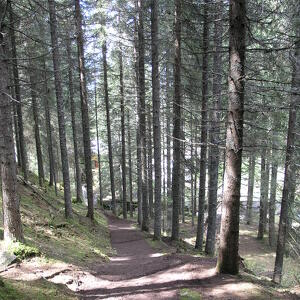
column 55, row 243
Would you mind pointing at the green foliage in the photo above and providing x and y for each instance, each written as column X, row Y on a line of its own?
column 22, row 251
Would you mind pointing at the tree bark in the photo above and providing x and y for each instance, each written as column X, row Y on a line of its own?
column 289, row 160
column 138, row 139
column 16, row 130
column 74, row 127
column 98, row 151
column 23, row 155
column 192, row 170
column 203, row 151
column 10, row 200
column 84, row 111
column 214, row 154
column 228, row 258
column 156, row 118
column 52, row 178
column 149, row 160
column 124, row 193
column 60, row 109
column 35, row 112
column 182, row 181
column 168, row 140
column 251, row 169
column 177, row 122
column 108, row 126
column 267, row 190
column 263, row 195
column 196, row 172
column 272, row 203
column 142, row 114
column 129, row 165
column 163, row 181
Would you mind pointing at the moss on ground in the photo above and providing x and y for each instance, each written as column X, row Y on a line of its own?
column 37, row 290
column 188, row 294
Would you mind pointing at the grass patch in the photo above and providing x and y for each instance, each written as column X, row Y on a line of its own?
column 188, row 294
column 37, row 290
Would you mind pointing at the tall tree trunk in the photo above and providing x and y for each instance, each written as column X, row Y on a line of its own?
column 192, row 170
column 108, row 126
column 228, row 258
column 139, row 170
column 177, row 122
column 223, row 171
column 289, row 160
column 52, row 177
column 196, row 172
column 149, row 160
column 124, row 194
column 17, row 91
column 138, row 139
column 10, row 200
column 142, row 114
column 98, row 150
column 129, row 165
column 168, row 133
column 272, row 204
column 84, row 112
column 74, row 128
column 16, row 130
column 164, row 181
column 60, row 109
column 291, row 210
column 156, row 118
column 251, row 171
column 182, row 181
column 203, row 151
column 214, row 154
column 267, row 190
column 35, row 112
column 263, row 194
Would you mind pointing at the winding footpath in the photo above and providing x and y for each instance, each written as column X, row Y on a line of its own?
column 140, row 272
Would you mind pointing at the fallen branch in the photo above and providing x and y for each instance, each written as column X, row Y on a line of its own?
column 56, row 273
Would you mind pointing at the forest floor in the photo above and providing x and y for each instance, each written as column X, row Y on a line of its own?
column 112, row 259
column 258, row 256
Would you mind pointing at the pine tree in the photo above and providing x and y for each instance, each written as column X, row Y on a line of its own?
column 60, row 108
column 156, row 118
column 177, row 122
column 11, row 205
column 228, row 258
column 84, row 111
column 289, row 159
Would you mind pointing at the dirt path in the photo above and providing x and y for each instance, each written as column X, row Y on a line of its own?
column 140, row 272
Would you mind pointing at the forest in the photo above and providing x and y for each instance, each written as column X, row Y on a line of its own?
column 149, row 149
